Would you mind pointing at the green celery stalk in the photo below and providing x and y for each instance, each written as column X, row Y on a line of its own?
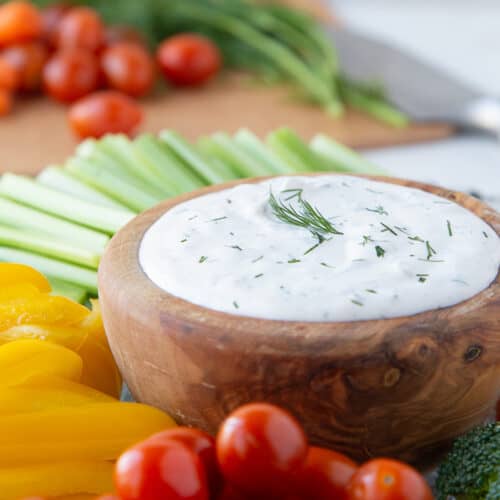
column 290, row 147
column 256, row 148
column 212, row 171
column 339, row 154
column 46, row 245
column 62, row 180
column 76, row 275
column 27, row 191
column 73, row 292
column 92, row 151
column 122, row 149
column 158, row 153
column 16, row 215
column 112, row 185
column 225, row 148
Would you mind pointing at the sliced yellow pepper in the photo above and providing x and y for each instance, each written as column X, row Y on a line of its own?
column 93, row 323
column 44, row 309
column 23, row 359
column 56, row 479
column 95, row 432
column 19, row 291
column 45, row 392
column 14, row 274
column 99, row 367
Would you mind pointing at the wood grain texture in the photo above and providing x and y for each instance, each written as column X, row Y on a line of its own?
column 401, row 387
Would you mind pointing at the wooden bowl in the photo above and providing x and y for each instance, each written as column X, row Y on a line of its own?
column 401, row 387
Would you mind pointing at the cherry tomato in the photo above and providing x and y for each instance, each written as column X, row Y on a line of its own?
column 159, row 470
column 81, row 27
column 118, row 33
column 28, row 60
column 129, row 68
column 325, row 475
column 70, row 74
column 259, row 448
column 385, row 479
column 108, row 496
column 9, row 78
column 103, row 113
column 51, row 19
column 188, row 59
column 19, row 22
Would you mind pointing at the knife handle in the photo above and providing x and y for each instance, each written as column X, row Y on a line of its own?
column 483, row 115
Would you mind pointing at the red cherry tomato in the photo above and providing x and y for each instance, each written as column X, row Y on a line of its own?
column 71, row 74
column 51, row 19
column 385, row 479
column 103, row 113
column 9, row 78
column 325, row 475
column 160, row 470
column 19, row 22
column 28, row 60
column 203, row 445
column 81, row 27
column 260, row 447
column 128, row 67
column 188, row 59
column 118, row 33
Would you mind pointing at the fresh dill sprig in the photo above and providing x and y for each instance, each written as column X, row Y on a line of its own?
column 388, row 228
column 294, row 261
column 217, row 219
column 366, row 240
column 379, row 210
column 380, row 251
column 416, row 238
column 235, row 247
column 324, row 264
column 422, row 277
column 305, row 216
column 430, row 250
column 321, row 240
column 403, row 230
column 448, row 224
column 203, row 258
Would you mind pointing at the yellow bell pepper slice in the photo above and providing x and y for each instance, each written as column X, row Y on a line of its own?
column 23, row 359
column 93, row 432
column 56, row 479
column 99, row 367
column 14, row 274
column 44, row 309
column 45, row 392
column 19, row 291
column 93, row 324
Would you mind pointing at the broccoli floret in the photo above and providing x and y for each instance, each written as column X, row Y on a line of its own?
column 472, row 469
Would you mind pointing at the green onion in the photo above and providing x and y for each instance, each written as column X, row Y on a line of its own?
column 49, row 200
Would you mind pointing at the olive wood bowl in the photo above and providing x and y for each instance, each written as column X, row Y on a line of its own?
column 401, row 387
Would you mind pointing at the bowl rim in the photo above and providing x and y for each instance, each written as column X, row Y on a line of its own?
column 123, row 251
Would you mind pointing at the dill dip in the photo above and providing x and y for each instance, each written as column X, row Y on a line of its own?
column 324, row 248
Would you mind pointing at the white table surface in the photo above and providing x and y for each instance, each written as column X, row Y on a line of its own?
column 463, row 37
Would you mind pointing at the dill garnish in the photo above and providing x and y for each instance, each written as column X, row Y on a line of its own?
column 259, row 275
column 369, row 290
column 357, row 302
column 379, row 210
column 401, row 229
column 388, row 228
column 321, row 240
column 193, row 217
column 422, row 277
column 203, row 258
column 218, row 219
column 380, row 251
column 430, row 250
column 462, row 282
column 235, row 247
column 366, row 240
column 485, row 234
column 448, row 225
column 184, row 240
column 416, row 238
column 305, row 216
column 297, row 193
column 236, row 305
column 294, row 261
column 257, row 259
column 431, row 260
column 324, row 264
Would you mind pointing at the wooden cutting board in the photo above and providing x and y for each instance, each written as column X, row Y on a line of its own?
column 36, row 133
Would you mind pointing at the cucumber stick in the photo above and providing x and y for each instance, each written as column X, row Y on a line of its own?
column 27, row 191
column 76, row 275
column 73, row 292
column 31, row 241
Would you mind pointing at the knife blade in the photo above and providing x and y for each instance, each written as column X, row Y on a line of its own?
column 424, row 92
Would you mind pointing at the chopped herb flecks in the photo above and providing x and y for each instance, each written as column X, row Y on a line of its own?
column 235, row 247
column 294, row 261
column 380, row 251
column 388, row 228
column 184, row 240
column 422, row 277
column 485, row 234
column 357, row 302
column 401, row 229
column 259, row 275
column 369, row 290
column 430, row 250
column 217, row 219
column 448, row 225
column 416, row 238
column 379, row 210
column 193, row 217
column 324, row 264
column 366, row 240
column 203, row 258
column 236, row 305
column 257, row 259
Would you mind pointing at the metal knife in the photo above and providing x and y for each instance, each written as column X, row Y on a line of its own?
column 424, row 92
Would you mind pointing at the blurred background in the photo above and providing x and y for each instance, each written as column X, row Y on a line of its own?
column 464, row 38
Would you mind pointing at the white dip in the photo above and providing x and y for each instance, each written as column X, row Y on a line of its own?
column 402, row 251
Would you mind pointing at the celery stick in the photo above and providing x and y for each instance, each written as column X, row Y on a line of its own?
column 73, row 292
column 27, row 191
column 222, row 146
column 115, row 187
column 62, row 180
column 15, row 215
column 255, row 147
column 290, row 147
column 122, row 149
column 212, row 172
column 158, row 153
column 92, row 151
column 339, row 154
column 80, row 276
column 46, row 245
